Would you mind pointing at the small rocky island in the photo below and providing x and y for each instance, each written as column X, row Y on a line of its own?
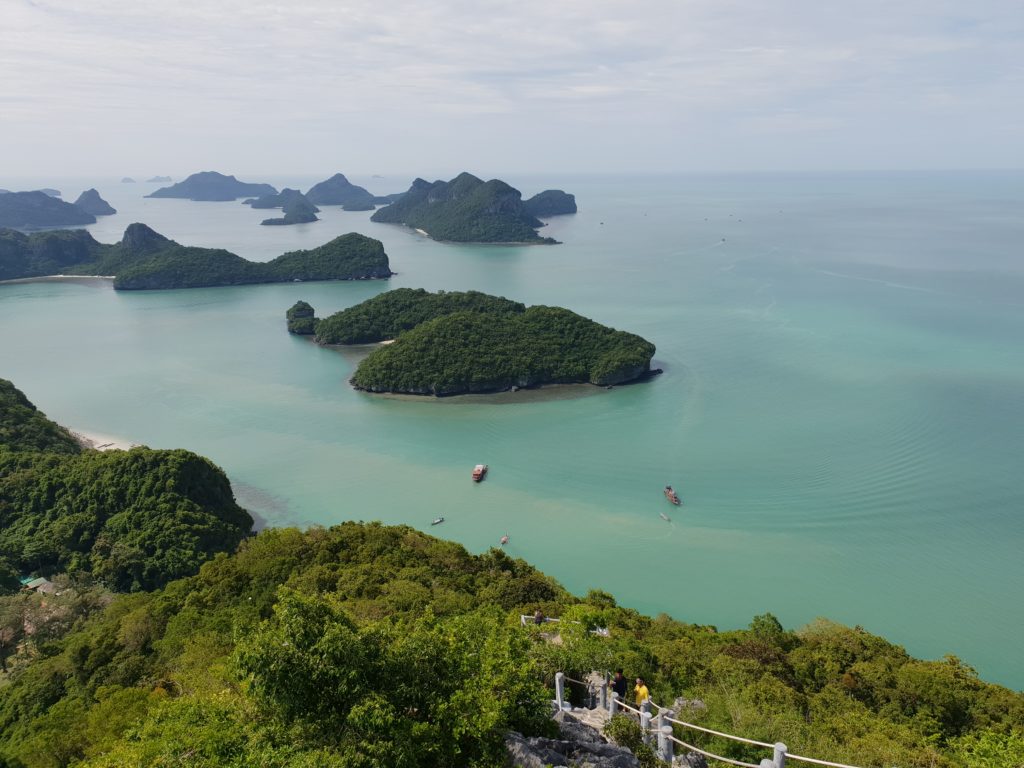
column 145, row 259
column 467, row 210
column 91, row 202
column 297, row 207
column 550, row 202
column 39, row 210
column 210, row 186
column 338, row 190
column 469, row 343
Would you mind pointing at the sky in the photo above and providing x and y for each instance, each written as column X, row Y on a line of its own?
column 433, row 87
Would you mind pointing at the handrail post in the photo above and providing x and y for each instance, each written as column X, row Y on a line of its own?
column 645, row 726
column 613, row 704
column 604, row 695
column 779, row 758
column 667, row 745
column 560, row 689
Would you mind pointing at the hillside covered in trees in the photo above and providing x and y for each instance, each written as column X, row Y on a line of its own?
column 451, row 343
column 465, row 210
column 128, row 519
column 145, row 259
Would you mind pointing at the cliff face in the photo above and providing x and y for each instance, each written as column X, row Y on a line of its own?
column 38, row 210
column 212, row 186
column 91, row 202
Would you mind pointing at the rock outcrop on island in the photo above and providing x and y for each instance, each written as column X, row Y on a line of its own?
column 159, row 179
column 91, row 202
column 550, row 202
column 145, row 259
column 210, row 186
column 38, row 210
column 466, row 210
column 465, row 343
column 338, row 190
column 301, row 319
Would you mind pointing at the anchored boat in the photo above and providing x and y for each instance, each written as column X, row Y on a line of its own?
column 479, row 472
column 672, row 496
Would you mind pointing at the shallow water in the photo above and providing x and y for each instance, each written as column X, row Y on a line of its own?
column 842, row 408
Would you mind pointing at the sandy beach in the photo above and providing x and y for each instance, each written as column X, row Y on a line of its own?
column 102, row 442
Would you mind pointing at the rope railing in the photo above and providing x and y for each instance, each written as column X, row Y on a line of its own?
column 662, row 727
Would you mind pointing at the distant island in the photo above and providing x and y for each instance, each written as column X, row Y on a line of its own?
column 550, row 202
column 466, row 343
column 91, row 202
column 297, row 207
column 127, row 180
column 39, row 210
column 146, row 260
column 159, row 179
column 210, row 186
column 338, row 190
column 465, row 210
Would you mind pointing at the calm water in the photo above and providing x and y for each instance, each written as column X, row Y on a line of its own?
column 842, row 407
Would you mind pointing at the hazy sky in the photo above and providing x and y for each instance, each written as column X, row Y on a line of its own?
column 432, row 87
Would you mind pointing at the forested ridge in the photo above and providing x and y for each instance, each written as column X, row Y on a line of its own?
column 144, row 259
column 366, row 645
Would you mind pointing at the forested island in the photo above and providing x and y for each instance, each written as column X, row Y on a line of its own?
column 210, row 186
column 39, row 210
column 91, row 202
column 297, row 207
column 338, row 190
column 465, row 209
column 470, row 342
column 145, row 259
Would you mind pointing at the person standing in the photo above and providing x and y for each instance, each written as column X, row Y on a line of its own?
column 619, row 685
column 642, row 694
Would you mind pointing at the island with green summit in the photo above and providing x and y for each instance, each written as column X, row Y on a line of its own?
column 467, row 210
column 145, row 259
column 452, row 343
column 211, row 186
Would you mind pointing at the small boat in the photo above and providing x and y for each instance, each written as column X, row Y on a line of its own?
column 437, row 521
column 663, row 516
column 672, row 496
column 504, row 540
column 479, row 471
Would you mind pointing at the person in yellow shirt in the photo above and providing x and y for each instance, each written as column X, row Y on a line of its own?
column 642, row 694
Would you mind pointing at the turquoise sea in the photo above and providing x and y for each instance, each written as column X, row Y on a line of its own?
column 842, row 408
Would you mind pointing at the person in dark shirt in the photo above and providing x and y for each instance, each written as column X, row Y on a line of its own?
column 619, row 685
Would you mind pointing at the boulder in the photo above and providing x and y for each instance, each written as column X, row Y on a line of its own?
column 579, row 745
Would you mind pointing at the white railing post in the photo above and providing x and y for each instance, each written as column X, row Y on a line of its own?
column 613, row 704
column 667, row 745
column 664, row 743
column 767, row 762
column 604, row 695
column 779, row 759
column 560, row 689
column 645, row 726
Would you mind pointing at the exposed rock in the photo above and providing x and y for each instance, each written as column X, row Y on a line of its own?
column 213, row 186
column 38, row 210
column 579, row 745
column 91, row 202
column 338, row 190
column 550, row 202
column 683, row 704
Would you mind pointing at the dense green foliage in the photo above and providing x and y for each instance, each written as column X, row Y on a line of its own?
column 24, row 428
column 385, row 316
column 338, row 190
column 301, row 319
column 145, row 259
column 465, row 209
column 550, row 202
column 369, row 645
column 132, row 519
column 486, row 352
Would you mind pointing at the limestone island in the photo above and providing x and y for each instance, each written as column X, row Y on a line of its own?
column 297, row 208
column 127, row 180
column 465, row 210
column 210, row 186
column 38, row 210
column 145, row 259
column 338, row 190
column 550, row 202
column 472, row 343
column 91, row 202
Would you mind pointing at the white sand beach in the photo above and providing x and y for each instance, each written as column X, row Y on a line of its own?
column 102, row 442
